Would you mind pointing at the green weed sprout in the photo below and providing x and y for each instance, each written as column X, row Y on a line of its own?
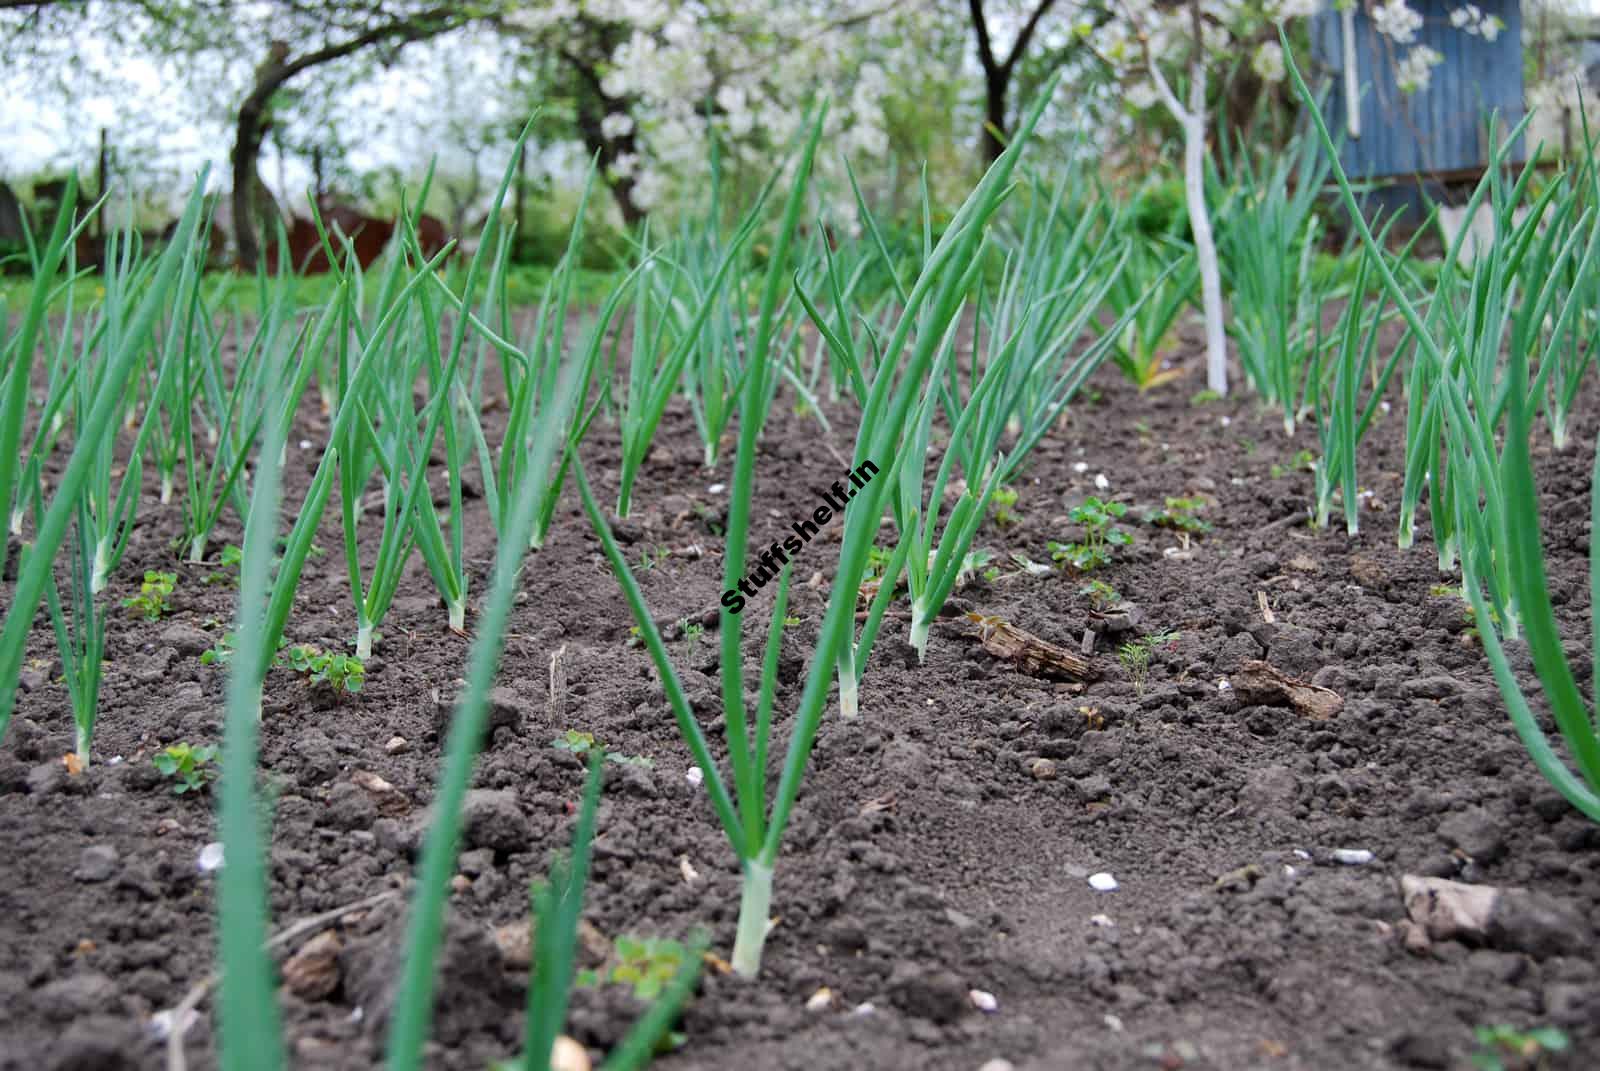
column 648, row 965
column 1505, row 1048
column 1135, row 656
column 1100, row 534
column 1101, row 595
column 342, row 674
column 580, row 743
column 1002, row 506
column 189, row 766
column 151, row 602
column 1179, row 515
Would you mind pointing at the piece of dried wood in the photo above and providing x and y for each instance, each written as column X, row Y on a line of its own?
column 1260, row 684
column 1033, row 656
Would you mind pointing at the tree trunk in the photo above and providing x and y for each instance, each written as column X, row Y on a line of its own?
column 1193, row 121
column 249, row 192
column 1194, row 183
column 247, row 136
column 996, row 84
column 1205, row 245
column 997, row 73
column 593, row 106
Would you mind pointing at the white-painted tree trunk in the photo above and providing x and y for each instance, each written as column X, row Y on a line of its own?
column 1352, row 77
column 1193, row 120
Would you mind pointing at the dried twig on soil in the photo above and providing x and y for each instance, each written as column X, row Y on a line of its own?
column 1260, row 684
column 191, row 1000
column 557, row 709
column 1035, row 657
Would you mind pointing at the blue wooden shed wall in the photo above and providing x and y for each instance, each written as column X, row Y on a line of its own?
column 1441, row 128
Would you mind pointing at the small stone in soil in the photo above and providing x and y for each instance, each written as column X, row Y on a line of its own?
column 1043, row 769
column 397, row 745
column 312, row 973
column 98, row 863
column 1352, row 856
column 1102, row 882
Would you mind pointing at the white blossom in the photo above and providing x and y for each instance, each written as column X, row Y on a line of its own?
column 1397, row 22
column 1285, row 10
column 1416, row 69
column 625, row 164
column 1268, row 62
column 616, row 125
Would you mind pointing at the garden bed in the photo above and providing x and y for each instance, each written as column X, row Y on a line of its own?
column 941, row 844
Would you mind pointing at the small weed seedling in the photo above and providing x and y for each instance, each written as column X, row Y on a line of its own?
column 647, row 964
column 1505, row 1048
column 651, row 558
column 582, row 744
column 1100, row 534
column 1204, row 397
column 1301, row 460
column 151, row 602
column 343, row 674
column 974, row 562
column 1101, row 596
column 1003, row 501
column 230, row 559
column 189, row 766
column 1135, row 656
column 1179, row 515
column 692, row 630
column 222, row 653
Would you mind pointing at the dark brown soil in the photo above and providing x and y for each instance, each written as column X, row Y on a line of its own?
column 926, row 857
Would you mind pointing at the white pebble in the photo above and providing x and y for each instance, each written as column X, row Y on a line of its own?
column 161, row 1024
column 1114, row 1023
column 821, row 1000
column 864, row 1008
column 1080, row 467
column 998, row 1064
column 305, row 444
column 1224, row 421
column 1102, row 882
column 983, row 1000
column 695, row 776
column 1301, row 853
column 210, row 857
column 716, row 489
column 1101, row 482
column 1352, row 856
column 1101, row 920
column 1222, row 684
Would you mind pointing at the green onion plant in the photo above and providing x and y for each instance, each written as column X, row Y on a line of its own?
column 97, row 423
